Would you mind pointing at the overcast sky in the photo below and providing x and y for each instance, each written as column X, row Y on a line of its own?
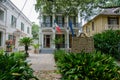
column 29, row 9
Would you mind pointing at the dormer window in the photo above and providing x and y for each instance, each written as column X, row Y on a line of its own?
column 117, row 11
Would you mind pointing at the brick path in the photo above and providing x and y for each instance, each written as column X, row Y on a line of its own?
column 42, row 61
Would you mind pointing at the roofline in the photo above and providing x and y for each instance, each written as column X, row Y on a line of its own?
column 19, row 11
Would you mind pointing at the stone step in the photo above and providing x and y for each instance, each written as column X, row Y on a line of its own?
column 46, row 50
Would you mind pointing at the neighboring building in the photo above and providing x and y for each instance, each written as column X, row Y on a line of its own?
column 48, row 31
column 13, row 24
column 107, row 19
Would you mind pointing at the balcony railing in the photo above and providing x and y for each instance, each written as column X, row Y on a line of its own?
column 62, row 26
column 114, row 27
column 46, row 25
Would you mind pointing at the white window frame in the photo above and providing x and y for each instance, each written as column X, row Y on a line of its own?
column 13, row 21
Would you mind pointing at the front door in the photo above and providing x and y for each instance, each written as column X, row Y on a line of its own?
column 46, row 41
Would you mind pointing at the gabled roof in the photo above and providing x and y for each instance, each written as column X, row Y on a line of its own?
column 108, row 11
column 111, row 11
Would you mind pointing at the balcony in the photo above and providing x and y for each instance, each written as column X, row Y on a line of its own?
column 113, row 27
column 46, row 25
column 62, row 26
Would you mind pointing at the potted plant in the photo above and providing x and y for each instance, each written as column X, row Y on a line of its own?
column 26, row 42
column 36, row 48
column 58, row 41
column 9, row 44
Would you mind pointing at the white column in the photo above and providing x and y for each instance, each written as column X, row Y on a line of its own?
column 79, row 21
column 53, row 35
column 42, row 37
column 67, row 35
column 67, row 21
column 67, row 39
column 53, row 38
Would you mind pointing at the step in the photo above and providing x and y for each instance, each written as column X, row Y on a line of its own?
column 46, row 50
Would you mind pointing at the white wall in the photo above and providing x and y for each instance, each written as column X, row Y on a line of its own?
column 13, row 10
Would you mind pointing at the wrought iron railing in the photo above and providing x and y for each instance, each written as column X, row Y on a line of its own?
column 74, row 25
column 43, row 25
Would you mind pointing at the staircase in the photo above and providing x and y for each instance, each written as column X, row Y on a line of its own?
column 47, row 50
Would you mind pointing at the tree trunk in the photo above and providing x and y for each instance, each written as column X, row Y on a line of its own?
column 26, row 49
column 58, row 46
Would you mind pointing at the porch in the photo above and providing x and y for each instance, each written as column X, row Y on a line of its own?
column 113, row 27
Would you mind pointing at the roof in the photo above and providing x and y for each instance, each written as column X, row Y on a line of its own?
column 19, row 11
column 108, row 11
column 111, row 11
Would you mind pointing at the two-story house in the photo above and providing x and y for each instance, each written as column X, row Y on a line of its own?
column 107, row 19
column 13, row 24
column 48, row 32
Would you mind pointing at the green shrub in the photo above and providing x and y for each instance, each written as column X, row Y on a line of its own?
column 88, row 66
column 14, row 67
column 108, row 42
column 58, row 54
column 19, row 55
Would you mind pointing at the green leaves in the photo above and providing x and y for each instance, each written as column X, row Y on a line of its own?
column 26, row 41
column 14, row 67
column 72, row 7
column 107, row 42
column 35, row 30
column 87, row 66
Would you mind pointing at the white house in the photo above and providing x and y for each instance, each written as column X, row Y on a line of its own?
column 13, row 24
column 48, row 32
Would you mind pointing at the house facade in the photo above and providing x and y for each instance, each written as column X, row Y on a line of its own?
column 107, row 19
column 13, row 24
column 48, row 32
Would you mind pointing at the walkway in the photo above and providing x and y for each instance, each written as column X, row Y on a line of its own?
column 44, row 66
column 42, row 61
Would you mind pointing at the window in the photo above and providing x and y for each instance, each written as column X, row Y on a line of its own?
column 1, row 15
column 92, row 26
column 113, row 20
column 13, row 21
column 22, row 26
column 117, row 11
column 28, row 30
column 60, row 21
column 87, row 29
column 47, row 21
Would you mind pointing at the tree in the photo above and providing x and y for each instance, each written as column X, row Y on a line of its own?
column 86, row 7
column 35, row 30
column 26, row 41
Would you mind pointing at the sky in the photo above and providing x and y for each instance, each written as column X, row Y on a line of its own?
column 29, row 9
